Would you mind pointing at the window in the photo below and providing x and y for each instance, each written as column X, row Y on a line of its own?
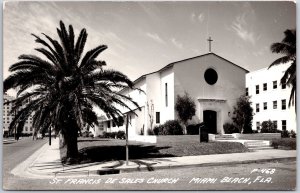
column 274, row 84
column 283, row 85
column 26, row 129
column 274, row 104
column 265, row 86
column 157, row 117
column 108, row 124
column 257, row 125
column 101, row 127
column 211, row 76
column 257, row 107
column 114, row 124
column 283, row 124
column 166, row 93
column 247, row 91
column 275, row 124
column 265, row 106
column 283, row 104
column 257, row 89
column 30, row 128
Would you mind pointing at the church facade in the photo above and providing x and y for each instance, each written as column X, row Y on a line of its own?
column 213, row 82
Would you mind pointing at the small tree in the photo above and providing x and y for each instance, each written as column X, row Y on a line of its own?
column 185, row 108
column 151, row 114
column 243, row 114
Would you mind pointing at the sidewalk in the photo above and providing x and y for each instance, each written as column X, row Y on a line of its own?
column 45, row 163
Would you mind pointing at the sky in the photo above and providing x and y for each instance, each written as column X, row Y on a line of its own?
column 143, row 37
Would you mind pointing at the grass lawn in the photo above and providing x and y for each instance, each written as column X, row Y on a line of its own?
column 98, row 150
column 284, row 143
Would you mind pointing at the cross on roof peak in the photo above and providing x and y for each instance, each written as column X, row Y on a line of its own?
column 209, row 43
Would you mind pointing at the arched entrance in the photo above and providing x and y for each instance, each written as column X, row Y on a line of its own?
column 210, row 121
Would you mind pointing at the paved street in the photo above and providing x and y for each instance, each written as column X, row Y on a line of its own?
column 15, row 152
column 281, row 176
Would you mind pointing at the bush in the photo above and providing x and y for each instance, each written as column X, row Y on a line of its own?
column 91, row 135
column 285, row 134
column 157, row 129
column 293, row 134
column 268, row 127
column 150, row 131
column 120, row 135
column 172, row 127
column 109, row 134
column 286, row 143
column 193, row 129
column 229, row 128
column 85, row 134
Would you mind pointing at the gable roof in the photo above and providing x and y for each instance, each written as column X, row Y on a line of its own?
column 172, row 64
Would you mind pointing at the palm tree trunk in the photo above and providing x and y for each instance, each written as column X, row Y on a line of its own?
column 70, row 137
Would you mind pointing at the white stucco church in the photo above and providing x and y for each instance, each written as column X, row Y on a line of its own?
column 212, row 81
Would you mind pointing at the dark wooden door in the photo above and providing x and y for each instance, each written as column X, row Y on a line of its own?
column 210, row 121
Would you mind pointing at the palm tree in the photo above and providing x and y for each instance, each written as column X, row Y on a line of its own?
column 63, row 88
column 287, row 47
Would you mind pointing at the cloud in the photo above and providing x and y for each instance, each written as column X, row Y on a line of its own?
column 241, row 28
column 261, row 51
column 195, row 17
column 176, row 43
column 155, row 37
column 201, row 17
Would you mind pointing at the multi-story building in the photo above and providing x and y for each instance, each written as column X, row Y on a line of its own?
column 270, row 98
column 8, row 117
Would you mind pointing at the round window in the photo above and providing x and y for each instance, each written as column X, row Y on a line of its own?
column 211, row 76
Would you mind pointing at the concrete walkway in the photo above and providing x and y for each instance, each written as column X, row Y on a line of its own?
column 45, row 163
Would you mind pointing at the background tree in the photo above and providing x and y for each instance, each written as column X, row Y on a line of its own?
column 287, row 47
column 63, row 87
column 243, row 114
column 185, row 108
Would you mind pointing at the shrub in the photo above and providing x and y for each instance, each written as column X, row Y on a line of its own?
column 157, row 129
column 172, row 127
column 293, row 134
column 285, row 133
column 229, row 128
column 142, row 131
column 109, row 134
column 289, row 144
column 150, row 131
column 268, row 127
column 193, row 129
column 85, row 134
column 91, row 135
column 120, row 135
column 104, row 134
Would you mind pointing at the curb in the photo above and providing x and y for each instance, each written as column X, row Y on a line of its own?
column 89, row 173
column 24, row 167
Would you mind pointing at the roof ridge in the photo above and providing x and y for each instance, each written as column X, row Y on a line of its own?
column 172, row 63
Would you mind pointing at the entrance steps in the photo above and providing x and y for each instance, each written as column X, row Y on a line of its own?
column 225, row 137
column 250, row 144
column 259, row 144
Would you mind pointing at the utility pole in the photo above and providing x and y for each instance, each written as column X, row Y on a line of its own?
column 126, row 134
column 49, row 135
